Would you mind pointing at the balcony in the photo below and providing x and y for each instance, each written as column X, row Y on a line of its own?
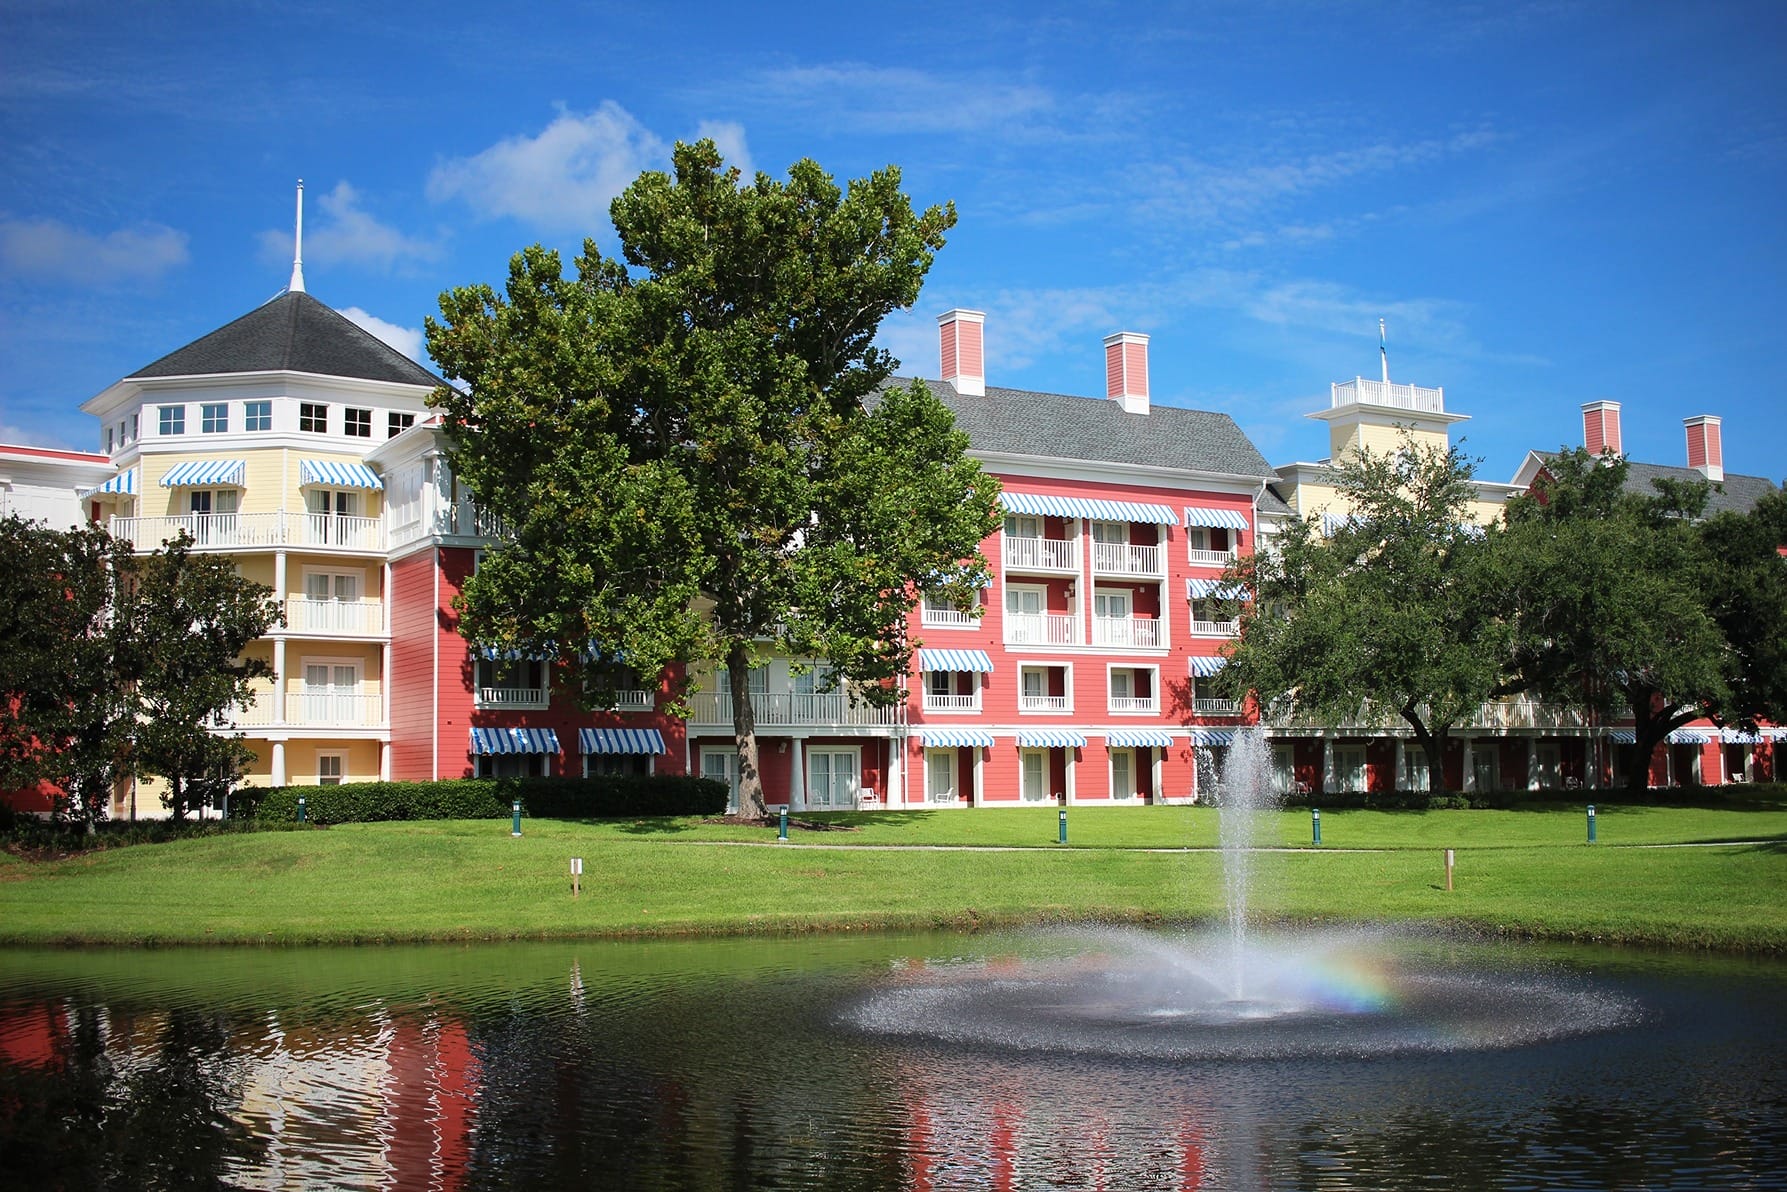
column 531, row 698
column 1142, row 632
column 312, row 709
column 352, row 618
column 1042, row 629
column 791, row 709
column 1210, row 558
column 947, row 618
column 1042, row 554
column 1360, row 391
column 254, row 531
column 952, row 703
column 1216, row 707
column 1215, row 628
column 1045, row 703
column 635, row 701
column 1127, row 705
column 1115, row 558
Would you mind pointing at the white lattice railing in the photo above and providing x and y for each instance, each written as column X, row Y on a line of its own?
column 1042, row 629
column 952, row 703
column 1211, row 558
column 1126, row 631
column 1044, row 703
column 514, row 697
column 793, row 708
column 1134, row 703
column 1043, row 554
column 1216, row 707
column 358, row 617
column 1116, row 558
column 237, row 531
column 1216, row 628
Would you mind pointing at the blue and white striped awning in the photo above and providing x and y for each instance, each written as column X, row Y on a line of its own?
column 1213, row 738
column 1692, row 736
column 1334, row 523
column 1050, row 738
column 955, row 738
column 1215, row 519
column 492, row 654
column 124, row 482
column 1737, row 736
column 1087, row 508
column 198, row 473
column 620, row 740
column 513, row 740
column 1198, row 589
column 1775, row 734
column 955, row 660
column 1623, row 736
column 329, row 474
column 1204, row 667
column 1138, row 738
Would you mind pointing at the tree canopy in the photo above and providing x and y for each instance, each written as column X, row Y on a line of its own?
column 1380, row 615
column 692, row 445
column 115, row 665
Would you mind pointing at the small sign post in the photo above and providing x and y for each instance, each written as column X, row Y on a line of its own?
column 1591, row 823
column 1448, row 869
column 515, row 823
column 782, row 827
column 1062, row 838
column 576, row 876
column 1315, row 823
column 300, row 808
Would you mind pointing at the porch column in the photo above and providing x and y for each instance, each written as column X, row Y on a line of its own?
column 384, row 761
column 1470, row 768
column 279, row 679
column 1532, row 763
column 976, row 797
column 1401, row 764
column 279, row 763
column 896, row 757
column 797, row 777
column 1327, row 763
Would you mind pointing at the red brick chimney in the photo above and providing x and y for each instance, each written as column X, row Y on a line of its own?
column 1706, row 449
column 1126, row 370
column 964, row 355
column 1600, row 428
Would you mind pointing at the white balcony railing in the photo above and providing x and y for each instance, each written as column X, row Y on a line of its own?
column 341, row 709
column 514, row 697
column 947, row 618
column 1216, row 707
column 1042, row 629
column 1360, row 390
column 1045, row 703
column 635, row 701
column 1216, row 628
column 238, row 531
column 1116, row 558
column 792, row 708
column 952, row 703
column 1126, row 631
column 1211, row 558
column 1043, row 554
column 354, row 617
column 1526, row 714
column 1134, row 703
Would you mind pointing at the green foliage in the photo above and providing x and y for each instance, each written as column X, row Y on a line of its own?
column 117, row 664
column 595, row 797
column 689, row 447
column 1387, row 617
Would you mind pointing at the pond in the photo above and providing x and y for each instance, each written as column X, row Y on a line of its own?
column 1112, row 1059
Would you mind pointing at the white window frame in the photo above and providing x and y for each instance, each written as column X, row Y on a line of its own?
column 954, row 760
column 524, row 765
column 1111, row 697
column 170, row 420
column 257, row 415
column 1345, row 774
column 339, row 758
column 854, row 753
column 1025, row 755
column 356, row 422
column 1133, row 757
column 214, row 418
column 651, row 762
column 935, row 613
column 305, row 414
column 1066, row 687
column 730, row 753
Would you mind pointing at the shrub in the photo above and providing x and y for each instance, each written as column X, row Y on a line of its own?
column 598, row 797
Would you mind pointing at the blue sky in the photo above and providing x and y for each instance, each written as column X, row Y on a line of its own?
column 1549, row 203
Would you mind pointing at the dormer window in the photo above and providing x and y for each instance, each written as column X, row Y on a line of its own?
column 357, row 423
column 396, row 424
column 173, row 420
column 313, row 416
column 257, row 415
column 214, row 418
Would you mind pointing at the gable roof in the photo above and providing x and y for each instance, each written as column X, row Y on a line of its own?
column 1058, row 426
column 292, row 333
column 1734, row 494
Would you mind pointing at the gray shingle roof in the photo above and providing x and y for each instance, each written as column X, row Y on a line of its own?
column 292, row 333
column 1057, row 426
column 1734, row 494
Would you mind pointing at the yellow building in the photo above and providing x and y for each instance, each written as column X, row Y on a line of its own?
column 252, row 440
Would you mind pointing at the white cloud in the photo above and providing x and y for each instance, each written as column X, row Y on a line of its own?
column 729, row 137
column 50, row 250
column 561, row 180
column 20, row 436
column 903, row 99
column 348, row 235
column 407, row 340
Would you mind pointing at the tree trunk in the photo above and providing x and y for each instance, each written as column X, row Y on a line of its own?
column 1433, row 744
column 744, row 734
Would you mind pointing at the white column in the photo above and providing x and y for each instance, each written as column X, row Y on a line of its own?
column 384, row 685
column 977, row 796
column 797, row 777
column 1401, row 763
column 896, row 757
column 1532, row 763
column 279, row 591
column 1327, row 763
column 279, row 680
column 279, row 763
column 1470, row 768
column 384, row 761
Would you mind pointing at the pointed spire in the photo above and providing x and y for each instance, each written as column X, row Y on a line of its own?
column 1383, row 350
column 297, row 286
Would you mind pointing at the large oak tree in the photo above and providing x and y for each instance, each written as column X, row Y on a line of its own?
column 692, row 447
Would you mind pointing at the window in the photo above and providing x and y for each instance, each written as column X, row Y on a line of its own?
column 396, row 424
column 512, row 765
column 1414, row 767
column 332, row 693
column 637, row 764
column 357, row 423
column 1123, row 774
column 832, row 778
column 324, row 501
column 108, row 440
column 329, row 767
column 257, row 415
column 942, row 614
column 512, row 682
column 1111, row 533
column 173, row 420
column 1349, row 767
column 756, row 681
column 313, row 416
column 1284, row 770
column 214, row 418
column 1035, row 784
column 940, row 776
column 721, row 765
column 1023, row 527
column 134, row 424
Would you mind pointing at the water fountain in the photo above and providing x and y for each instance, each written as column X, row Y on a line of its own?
column 1237, row 993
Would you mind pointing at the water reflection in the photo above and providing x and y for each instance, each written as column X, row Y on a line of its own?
column 735, row 1064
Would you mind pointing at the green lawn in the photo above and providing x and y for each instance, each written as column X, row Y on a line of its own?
column 1524, row 872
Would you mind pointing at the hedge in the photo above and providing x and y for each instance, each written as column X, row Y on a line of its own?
column 612, row 796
